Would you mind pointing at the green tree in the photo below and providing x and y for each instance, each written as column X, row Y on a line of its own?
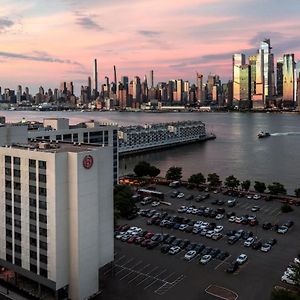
column 297, row 192
column 260, row 187
column 283, row 294
column 246, row 185
column 277, row 188
column 141, row 169
column 197, row 179
column 214, row 179
column 174, row 173
column 231, row 182
column 153, row 171
column 124, row 205
column 286, row 208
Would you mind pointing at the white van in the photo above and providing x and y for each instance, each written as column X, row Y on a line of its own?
column 174, row 184
column 146, row 200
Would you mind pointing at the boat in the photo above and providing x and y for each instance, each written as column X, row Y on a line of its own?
column 263, row 134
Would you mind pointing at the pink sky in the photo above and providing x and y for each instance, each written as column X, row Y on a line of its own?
column 43, row 43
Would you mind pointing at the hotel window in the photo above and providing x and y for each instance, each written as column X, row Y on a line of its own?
column 43, row 205
column 17, row 160
column 32, row 163
column 86, row 137
column 18, row 261
column 8, row 245
column 8, row 196
column 33, row 242
column 8, row 184
column 32, row 189
column 33, row 255
column 32, row 228
column 8, row 159
column 8, row 233
column 67, row 137
column 18, row 249
column 43, row 245
column 43, row 218
column 43, row 272
column 8, row 258
column 43, row 259
column 8, row 208
column 42, row 191
column 17, row 173
column 32, row 215
column 32, row 176
column 42, row 164
column 8, row 221
column 17, row 198
column 33, row 268
column 43, row 232
column 8, row 171
column 75, row 137
column 17, row 211
column 17, row 186
column 32, row 202
column 18, row 236
column 58, row 137
column 105, row 138
column 42, row 178
column 17, row 223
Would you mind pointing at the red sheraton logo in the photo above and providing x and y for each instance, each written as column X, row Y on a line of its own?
column 88, row 162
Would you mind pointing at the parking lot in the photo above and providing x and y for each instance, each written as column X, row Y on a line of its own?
column 147, row 273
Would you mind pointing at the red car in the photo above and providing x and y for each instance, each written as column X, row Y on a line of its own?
column 144, row 243
column 139, row 240
column 149, row 235
column 131, row 240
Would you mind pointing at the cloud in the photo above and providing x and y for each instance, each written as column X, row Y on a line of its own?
column 40, row 56
column 87, row 22
column 5, row 24
column 149, row 33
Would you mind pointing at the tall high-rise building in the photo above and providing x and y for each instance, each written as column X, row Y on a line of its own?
column 298, row 92
column 238, row 60
column 288, row 80
column 252, row 63
column 19, row 93
column 245, row 86
column 136, row 91
column 151, row 79
column 279, row 79
column 269, row 74
column 125, row 81
column 95, row 79
column 179, row 90
column 70, row 88
column 258, row 99
column 57, row 215
column 200, row 91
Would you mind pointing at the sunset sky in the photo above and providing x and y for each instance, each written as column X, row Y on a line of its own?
column 44, row 42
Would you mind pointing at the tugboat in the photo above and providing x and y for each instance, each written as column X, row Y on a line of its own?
column 263, row 134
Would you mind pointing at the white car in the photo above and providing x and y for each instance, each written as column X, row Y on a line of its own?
column 249, row 242
column 180, row 195
column 189, row 210
column 232, row 219
column 196, row 230
column 119, row 236
column 183, row 227
column 219, row 216
column 210, row 234
column 190, row 254
column 242, row 259
column 182, row 209
column 218, row 228
column 256, row 197
column 249, row 197
column 296, row 260
column 215, row 191
column 194, row 211
column 265, row 248
column 289, row 271
column 217, row 236
column 174, row 250
column 203, row 231
column 205, row 259
column 155, row 203
column 286, row 279
column 204, row 225
column 282, row 229
column 238, row 220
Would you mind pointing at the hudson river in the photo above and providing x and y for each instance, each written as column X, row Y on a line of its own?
column 237, row 150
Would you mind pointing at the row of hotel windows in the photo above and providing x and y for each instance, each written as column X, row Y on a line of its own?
column 33, row 242
column 32, row 214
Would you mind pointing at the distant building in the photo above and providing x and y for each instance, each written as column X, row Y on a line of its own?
column 288, row 80
column 252, row 63
column 200, row 90
column 280, row 77
column 258, row 99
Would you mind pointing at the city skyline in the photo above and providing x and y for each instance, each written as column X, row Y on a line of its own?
column 208, row 33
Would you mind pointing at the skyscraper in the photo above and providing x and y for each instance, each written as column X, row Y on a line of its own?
column 245, row 86
column 252, row 63
column 200, row 91
column 151, row 79
column 237, row 61
column 288, row 79
column 279, row 77
column 259, row 96
column 95, row 79
column 269, row 77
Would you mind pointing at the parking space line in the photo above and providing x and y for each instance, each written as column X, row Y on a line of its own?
column 267, row 210
column 168, row 276
column 147, row 276
column 222, row 262
column 131, row 270
column 133, row 279
column 120, row 258
column 274, row 210
column 154, row 281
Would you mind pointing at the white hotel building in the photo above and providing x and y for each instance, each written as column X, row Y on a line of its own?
column 56, row 214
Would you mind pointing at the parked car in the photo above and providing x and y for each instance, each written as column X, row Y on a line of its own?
column 174, row 250
column 217, row 236
column 265, row 247
column 218, row 228
column 215, row 252
column 182, row 209
column 189, row 197
column 232, row 219
column 272, row 242
column 165, row 248
column 232, row 267
column 249, row 242
column 267, row 226
column 199, row 248
column 286, row 279
column 282, row 229
column 190, row 254
column 232, row 239
column 256, row 245
column 255, row 208
column 256, row 197
column 242, row 259
column 222, row 255
column 205, row 259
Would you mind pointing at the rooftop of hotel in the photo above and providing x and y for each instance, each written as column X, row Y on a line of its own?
column 53, row 147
